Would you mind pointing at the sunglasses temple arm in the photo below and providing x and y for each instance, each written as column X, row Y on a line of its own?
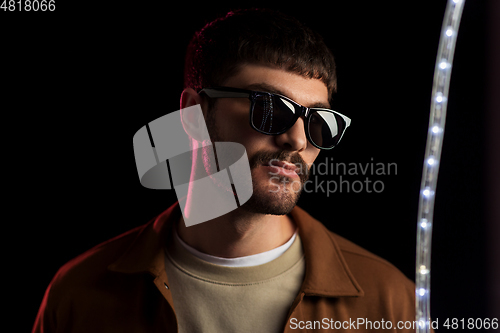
column 212, row 93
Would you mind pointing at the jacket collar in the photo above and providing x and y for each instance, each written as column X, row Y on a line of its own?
column 327, row 273
column 146, row 252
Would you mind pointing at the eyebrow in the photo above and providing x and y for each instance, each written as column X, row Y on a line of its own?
column 273, row 90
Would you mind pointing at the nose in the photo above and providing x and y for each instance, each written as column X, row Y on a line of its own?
column 294, row 139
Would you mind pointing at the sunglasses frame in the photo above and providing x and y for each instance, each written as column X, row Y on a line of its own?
column 229, row 92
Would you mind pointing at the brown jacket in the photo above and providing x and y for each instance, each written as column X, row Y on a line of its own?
column 121, row 286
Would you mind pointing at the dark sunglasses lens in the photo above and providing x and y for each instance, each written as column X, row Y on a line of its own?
column 326, row 128
column 272, row 114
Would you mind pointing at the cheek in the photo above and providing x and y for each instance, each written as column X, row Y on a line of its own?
column 233, row 120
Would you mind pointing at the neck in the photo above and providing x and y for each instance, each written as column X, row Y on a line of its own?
column 238, row 233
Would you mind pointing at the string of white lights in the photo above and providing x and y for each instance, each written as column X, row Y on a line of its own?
column 442, row 74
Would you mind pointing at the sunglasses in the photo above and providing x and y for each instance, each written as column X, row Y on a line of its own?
column 274, row 114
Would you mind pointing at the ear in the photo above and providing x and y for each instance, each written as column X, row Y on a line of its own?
column 190, row 97
column 192, row 117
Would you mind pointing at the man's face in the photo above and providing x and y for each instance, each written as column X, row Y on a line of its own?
column 276, row 186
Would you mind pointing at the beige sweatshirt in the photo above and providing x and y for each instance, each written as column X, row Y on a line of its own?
column 213, row 298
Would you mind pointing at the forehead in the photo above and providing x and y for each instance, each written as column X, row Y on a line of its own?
column 305, row 91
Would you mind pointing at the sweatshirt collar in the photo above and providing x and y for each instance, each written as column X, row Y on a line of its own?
column 327, row 273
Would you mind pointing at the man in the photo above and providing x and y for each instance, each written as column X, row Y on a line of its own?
column 266, row 266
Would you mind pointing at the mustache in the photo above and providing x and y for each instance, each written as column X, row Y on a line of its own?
column 264, row 158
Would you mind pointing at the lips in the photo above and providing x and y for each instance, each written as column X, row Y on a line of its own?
column 289, row 168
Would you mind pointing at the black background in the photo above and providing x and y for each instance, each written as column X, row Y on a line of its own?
column 82, row 81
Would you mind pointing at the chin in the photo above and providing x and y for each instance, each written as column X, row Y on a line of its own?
column 275, row 200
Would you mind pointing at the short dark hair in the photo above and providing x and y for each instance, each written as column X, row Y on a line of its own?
column 260, row 36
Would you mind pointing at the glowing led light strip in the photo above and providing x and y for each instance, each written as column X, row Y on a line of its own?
column 442, row 74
